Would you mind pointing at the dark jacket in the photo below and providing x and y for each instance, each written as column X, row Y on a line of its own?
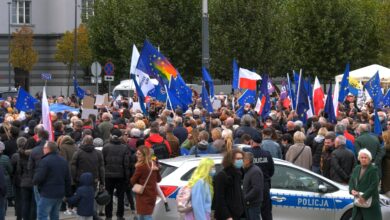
column 22, row 171
column 229, row 201
column 245, row 130
column 371, row 142
column 264, row 161
column 67, row 149
column 52, row 177
column 253, row 186
column 181, row 133
column 84, row 196
column 87, row 159
column 105, row 130
column 10, row 147
column 3, row 185
column 116, row 160
column 35, row 156
column 5, row 164
column 316, row 150
column 342, row 164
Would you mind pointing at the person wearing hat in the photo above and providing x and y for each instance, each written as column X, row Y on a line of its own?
column 264, row 161
column 117, row 172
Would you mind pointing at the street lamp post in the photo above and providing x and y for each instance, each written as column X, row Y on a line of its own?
column 9, row 46
column 205, row 35
column 75, row 41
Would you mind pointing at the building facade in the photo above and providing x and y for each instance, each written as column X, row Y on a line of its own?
column 49, row 20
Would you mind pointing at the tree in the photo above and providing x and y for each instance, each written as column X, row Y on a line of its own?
column 23, row 56
column 65, row 50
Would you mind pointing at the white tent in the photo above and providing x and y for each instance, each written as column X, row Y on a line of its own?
column 365, row 73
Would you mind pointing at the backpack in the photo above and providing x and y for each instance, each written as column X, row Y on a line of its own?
column 160, row 150
column 183, row 200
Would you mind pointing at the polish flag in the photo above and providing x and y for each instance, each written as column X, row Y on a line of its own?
column 336, row 99
column 46, row 119
column 318, row 97
column 247, row 79
column 258, row 105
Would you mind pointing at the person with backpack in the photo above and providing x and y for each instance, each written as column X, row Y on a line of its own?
column 196, row 202
column 160, row 146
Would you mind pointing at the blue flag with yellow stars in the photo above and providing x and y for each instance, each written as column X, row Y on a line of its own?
column 209, row 81
column 377, row 124
column 386, row 99
column 303, row 101
column 373, row 87
column 25, row 102
column 141, row 96
column 329, row 109
column 158, row 93
column 235, row 74
column 206, row 99
column 182, row 92
column 77, row 89
column 249, row 96
column 344, row 85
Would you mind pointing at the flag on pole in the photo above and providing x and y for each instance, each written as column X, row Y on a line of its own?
column 46, row 118
column 24, row 101
column 329, row 110
column 296, row 80
column 303, row 101
column 134, row 60
column 265, row 101
column 235, row 74
column 373, row 87
column 309, row 90
column 182, row 92
column 77, row 89
column 386, row 99
column 141, row 96
column 377, row 124
column 209, row 81
column 336, row 99
column 152, row 62
column 270, row 86
column 318, row 97
column 284, row 97
column 247, row 97
column 248, row 79
column 344, row 85
column 158, row 93
column 291, row 93
column 206, row 99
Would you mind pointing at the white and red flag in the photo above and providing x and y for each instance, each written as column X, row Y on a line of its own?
column 318, row 97
column 46, row 118
column 247, row 79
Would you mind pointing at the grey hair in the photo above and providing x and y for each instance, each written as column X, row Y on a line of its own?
column 342, row 140
column 246, row 120
column 364, row 127
column 339, row 128
column 249, row 156
column 366, row 152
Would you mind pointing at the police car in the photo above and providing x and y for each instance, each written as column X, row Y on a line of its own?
column 296, row 193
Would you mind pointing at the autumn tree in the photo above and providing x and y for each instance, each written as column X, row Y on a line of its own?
column 65, row 50
column 23, row 56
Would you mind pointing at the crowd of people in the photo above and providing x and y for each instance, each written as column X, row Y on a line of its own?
column 118, row 151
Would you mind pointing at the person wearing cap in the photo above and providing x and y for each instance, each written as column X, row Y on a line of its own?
column 264, row 161
column 117, row 172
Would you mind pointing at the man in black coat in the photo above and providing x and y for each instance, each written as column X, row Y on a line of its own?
column 117, row 172
column 3, row 192
column 264, row 161
column 342, row 161
column 252, row 188
column 52, row 177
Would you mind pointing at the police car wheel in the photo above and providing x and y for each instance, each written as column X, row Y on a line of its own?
column 347, row 215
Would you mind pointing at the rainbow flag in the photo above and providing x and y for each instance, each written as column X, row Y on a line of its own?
column 152, row 62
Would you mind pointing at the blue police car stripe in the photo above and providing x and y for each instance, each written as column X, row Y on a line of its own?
column 311, row 202
column 174, row 194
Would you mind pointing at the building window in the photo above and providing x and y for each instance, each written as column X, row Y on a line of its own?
column 86, row 10
column 21, row 11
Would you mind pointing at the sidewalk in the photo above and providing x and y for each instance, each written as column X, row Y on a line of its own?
column 11, row 215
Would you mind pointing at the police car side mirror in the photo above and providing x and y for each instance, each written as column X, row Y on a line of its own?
column 322, row 188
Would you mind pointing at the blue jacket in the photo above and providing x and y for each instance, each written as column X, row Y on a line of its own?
column 84, row 196
column 201, row 200
column 52, row 177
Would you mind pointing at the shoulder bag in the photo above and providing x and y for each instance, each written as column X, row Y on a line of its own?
column 366, row 204
column 138, row 188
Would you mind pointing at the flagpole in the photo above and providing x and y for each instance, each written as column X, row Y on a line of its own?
column 299, row 88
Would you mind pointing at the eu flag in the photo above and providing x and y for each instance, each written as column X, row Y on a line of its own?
column 77, row 89
column 386, row 99
column 296, row 81
column 373, row 87
column 249, row 96
column 174, row 102
column 235, row 74
column 155, row 64
column 344, row 85
column 141, row 96
column 329, row 109
column 158, row 93
column 209, row 82
column 291, row 92
column 206, row 100
column 181, row 90
column 240, row 111
column 25, row 102
column 303, row 101
column 377, row 124
column 264, row 96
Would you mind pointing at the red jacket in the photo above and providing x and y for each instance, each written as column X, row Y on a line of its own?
column 349, row 136
column 155, row 139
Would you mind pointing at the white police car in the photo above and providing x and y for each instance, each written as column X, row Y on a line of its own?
column 296, row 193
